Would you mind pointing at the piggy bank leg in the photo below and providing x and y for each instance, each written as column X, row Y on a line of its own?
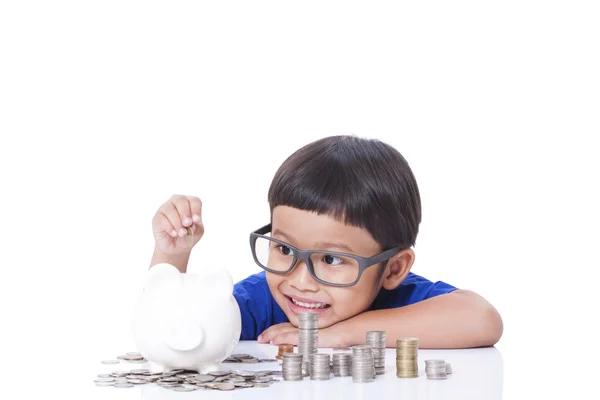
column 205, row 368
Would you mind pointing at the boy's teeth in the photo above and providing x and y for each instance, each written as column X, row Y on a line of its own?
column 309, row 305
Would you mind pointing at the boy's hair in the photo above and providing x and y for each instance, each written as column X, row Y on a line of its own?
column 362, row 182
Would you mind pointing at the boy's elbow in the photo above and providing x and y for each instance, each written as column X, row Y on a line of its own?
column 489, row 328
column 493, row 326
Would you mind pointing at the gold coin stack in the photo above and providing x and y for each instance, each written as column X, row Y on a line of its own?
column 406, row 357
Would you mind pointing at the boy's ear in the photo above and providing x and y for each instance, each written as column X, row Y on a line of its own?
column 397, row 269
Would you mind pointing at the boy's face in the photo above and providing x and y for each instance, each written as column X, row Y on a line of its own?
column 305, row 230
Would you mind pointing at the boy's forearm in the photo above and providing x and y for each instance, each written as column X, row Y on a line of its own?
column 460, row 319
column 180, row 261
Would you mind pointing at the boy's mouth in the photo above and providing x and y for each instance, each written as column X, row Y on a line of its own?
column 299, row 306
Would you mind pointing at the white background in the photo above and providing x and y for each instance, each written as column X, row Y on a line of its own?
column 108, row 108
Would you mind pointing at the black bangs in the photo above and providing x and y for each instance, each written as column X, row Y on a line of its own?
column 362, row 182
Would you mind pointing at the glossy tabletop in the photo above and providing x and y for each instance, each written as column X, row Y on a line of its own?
column 477, row 374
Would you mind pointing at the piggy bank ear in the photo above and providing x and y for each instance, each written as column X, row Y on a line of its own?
column 162, row 275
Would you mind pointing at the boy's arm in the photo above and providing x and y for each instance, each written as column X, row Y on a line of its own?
column 460, row 319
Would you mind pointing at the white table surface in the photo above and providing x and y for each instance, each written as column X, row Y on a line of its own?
column 477, row 374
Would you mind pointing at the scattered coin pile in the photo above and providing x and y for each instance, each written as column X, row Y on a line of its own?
column 307, row 338
column 188, row 381
column 363, row 369
column 284, row 348
column 377, row 341
column 342, row 364
column 406, row 357
column 246, row 358
column 320, row 366
column 291, row 367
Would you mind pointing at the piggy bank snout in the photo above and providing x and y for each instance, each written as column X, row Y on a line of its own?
column 184, row 336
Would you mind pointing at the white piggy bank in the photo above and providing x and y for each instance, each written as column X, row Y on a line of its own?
column 185, row 320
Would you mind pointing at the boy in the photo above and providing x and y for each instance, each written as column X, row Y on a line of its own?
column 345, row 213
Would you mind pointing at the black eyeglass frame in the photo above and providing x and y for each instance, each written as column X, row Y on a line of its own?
column 363, row 262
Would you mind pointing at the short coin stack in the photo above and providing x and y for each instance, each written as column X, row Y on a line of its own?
column 307, row 338
column 284, row 348
column 291, row 367
column 342, row 364
column 362, row 363
column 435, row 369
column 320, row 368
column 377, row 341
column 406, row 358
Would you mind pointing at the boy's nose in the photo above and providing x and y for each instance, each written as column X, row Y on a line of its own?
column 301, row 279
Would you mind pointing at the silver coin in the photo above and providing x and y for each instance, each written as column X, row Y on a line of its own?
column 123, row 385
column 137, row 381
column 225, row 386
column 105, row 376
column 184, row 388
column 109, row 361
column 104, row 384
column 218, row 373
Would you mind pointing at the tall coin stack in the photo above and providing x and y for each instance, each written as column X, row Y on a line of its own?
column 291, row 367
column 362, row 363
column 342, row 364
column 406, row 358
column 377, row 341
column 435, row 369
column 320, row 368
column 308, row 339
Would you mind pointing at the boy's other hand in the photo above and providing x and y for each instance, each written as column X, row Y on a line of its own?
column 172, row 222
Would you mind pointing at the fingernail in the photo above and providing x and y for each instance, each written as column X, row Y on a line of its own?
column 259, row 337
column 196, row 218
column 182, row 232
column 187, row 221
column 174, row 233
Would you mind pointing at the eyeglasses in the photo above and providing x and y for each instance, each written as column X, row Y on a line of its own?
column 328, row 267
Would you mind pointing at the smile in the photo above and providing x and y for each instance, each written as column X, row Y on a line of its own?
column 307, row 304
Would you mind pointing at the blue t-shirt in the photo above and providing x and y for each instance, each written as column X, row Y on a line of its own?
column 260, row 310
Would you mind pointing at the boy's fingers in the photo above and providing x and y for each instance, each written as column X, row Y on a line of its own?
column 288, row 337
column 269, row 333
column 172, row 215
column 195, row 208
column 162, row 226
column 182, row 205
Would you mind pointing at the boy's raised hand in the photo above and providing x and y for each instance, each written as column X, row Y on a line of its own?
column 172, row 222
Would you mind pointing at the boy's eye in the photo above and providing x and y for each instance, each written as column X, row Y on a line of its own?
column 285, row 250
column 332, row 260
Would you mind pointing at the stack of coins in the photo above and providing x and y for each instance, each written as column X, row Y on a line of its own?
column 284, row 348
column 320, row 369
column 291, row 368
column 377, row 341
column 342, row 364
column 435, row 369
column 406, row 358
column 448, row 368
column 307, row 338
column 362, row 363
